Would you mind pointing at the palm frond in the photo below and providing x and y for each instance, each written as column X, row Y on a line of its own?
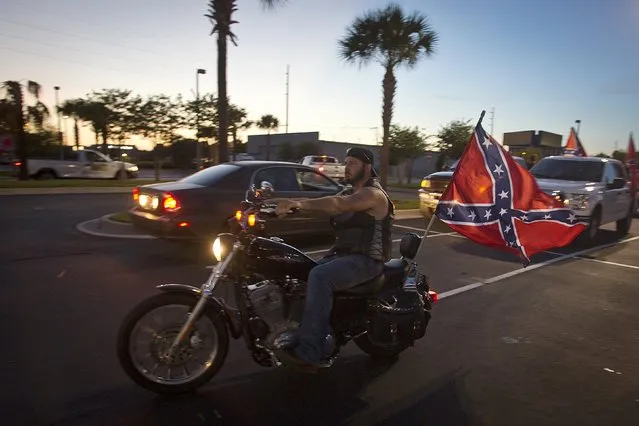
column 271, row 4
column 34, row 88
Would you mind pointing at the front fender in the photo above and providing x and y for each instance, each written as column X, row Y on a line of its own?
column 214, row 303
column 182, row 288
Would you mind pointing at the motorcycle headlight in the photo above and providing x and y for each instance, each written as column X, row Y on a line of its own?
column 222, row 246
column 217, row 249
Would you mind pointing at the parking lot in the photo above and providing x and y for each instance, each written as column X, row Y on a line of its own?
column 554, row 343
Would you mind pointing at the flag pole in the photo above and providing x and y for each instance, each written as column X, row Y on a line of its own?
column 432, row 218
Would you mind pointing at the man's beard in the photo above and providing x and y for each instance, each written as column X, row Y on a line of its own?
column 353, row 180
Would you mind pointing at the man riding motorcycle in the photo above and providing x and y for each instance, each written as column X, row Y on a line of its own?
column 362, row 217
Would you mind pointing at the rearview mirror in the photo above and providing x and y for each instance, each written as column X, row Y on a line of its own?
column 266, row 188
column 617, row 183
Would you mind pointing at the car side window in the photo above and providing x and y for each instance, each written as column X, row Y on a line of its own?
column 620, row 171
column 313, row 181
column 609, row 173
column 282, row 178
column 93, row 157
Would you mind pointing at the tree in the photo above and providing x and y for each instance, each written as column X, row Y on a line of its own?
column 602, row 155
column 392, row 38
column 118, row 112
column 453, row 139
column 220, row 14
column 158, row 119
column 237, row 122
column 268, row 122
column 96, row 115
column 406, row 144
column 73, row 108
column 619, row 155
column 18, row 116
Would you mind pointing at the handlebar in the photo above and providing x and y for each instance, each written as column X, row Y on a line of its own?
column 269, row 210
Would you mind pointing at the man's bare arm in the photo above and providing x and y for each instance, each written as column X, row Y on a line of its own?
column 364, row 199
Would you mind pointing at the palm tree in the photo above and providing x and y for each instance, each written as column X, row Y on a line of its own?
column 392, row 38
column 220, row 14
column 268, row 122
column 19, row 115
column 237, row 122
column 97, row 115
column 73, row 108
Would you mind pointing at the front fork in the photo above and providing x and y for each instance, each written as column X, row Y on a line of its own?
column 207, row 291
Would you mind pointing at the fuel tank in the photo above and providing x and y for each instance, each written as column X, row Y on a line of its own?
column 276, row 259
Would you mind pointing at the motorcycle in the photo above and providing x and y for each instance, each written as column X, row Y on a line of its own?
column 178, row 340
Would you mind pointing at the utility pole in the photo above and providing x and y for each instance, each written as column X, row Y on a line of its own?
column 492, row 122
column 287, row 80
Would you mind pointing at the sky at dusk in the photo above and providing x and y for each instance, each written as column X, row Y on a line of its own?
column 540, row 64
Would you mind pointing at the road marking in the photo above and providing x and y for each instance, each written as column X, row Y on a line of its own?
column 530, row 268
column 606, row 262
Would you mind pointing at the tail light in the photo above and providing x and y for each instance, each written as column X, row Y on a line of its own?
column 434, row 297
column 321, row 169
column 17, row 163
column 170, row 203
column 136, row 194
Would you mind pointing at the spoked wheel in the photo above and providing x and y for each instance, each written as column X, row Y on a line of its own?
column 147, row 333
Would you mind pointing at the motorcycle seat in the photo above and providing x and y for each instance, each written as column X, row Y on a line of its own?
column 392, row 269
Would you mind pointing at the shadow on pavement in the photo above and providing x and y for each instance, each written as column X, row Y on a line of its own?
column 471, row 248
column 270, row 397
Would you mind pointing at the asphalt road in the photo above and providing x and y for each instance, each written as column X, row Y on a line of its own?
column 555, row 344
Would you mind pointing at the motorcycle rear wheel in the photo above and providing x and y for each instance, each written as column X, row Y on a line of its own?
column 209, row 329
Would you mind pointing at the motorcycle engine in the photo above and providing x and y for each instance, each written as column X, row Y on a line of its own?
column 279, row 304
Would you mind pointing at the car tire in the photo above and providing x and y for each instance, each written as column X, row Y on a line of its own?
column 623, row 225
column 589, row 236
column 46, row 174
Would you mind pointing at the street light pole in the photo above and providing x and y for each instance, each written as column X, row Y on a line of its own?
column 198, row 148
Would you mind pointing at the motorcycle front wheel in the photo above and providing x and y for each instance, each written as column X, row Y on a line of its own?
column 147, row 333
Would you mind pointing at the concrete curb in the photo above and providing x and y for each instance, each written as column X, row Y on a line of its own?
column 83, row 227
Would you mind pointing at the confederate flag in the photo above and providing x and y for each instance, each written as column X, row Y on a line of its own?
column 574, row 146
column 494, row 201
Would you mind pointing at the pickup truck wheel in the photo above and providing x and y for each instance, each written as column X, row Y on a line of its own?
column 46, row 174
column 623, row 225
column 589, row 236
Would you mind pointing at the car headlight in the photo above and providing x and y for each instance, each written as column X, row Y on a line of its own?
column 133, row 169
column 578, row 201
column 425, row 183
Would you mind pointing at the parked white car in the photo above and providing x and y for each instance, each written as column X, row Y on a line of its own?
column 596, row 189
column 83, row 163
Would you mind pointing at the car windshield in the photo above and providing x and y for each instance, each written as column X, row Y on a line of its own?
column 211, row 175
column 583, row 171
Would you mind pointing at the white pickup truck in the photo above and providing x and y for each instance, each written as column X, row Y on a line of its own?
column 596, row 189
column 326, row 165
column 84, row 163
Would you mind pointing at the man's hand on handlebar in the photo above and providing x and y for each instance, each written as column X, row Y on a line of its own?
column 284, row 207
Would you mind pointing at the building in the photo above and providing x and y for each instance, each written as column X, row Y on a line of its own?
column 533, row 145
column 295, row 146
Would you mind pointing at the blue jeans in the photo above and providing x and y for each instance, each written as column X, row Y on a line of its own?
column 333, row 273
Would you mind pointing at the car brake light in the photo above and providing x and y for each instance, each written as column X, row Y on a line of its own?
column 321, row 169
column 183, row 224
column 136, row 194
column 170, row 203
column 434, row 297
column 17, row 163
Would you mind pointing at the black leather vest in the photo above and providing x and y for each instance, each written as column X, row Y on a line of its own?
column 361, row 233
